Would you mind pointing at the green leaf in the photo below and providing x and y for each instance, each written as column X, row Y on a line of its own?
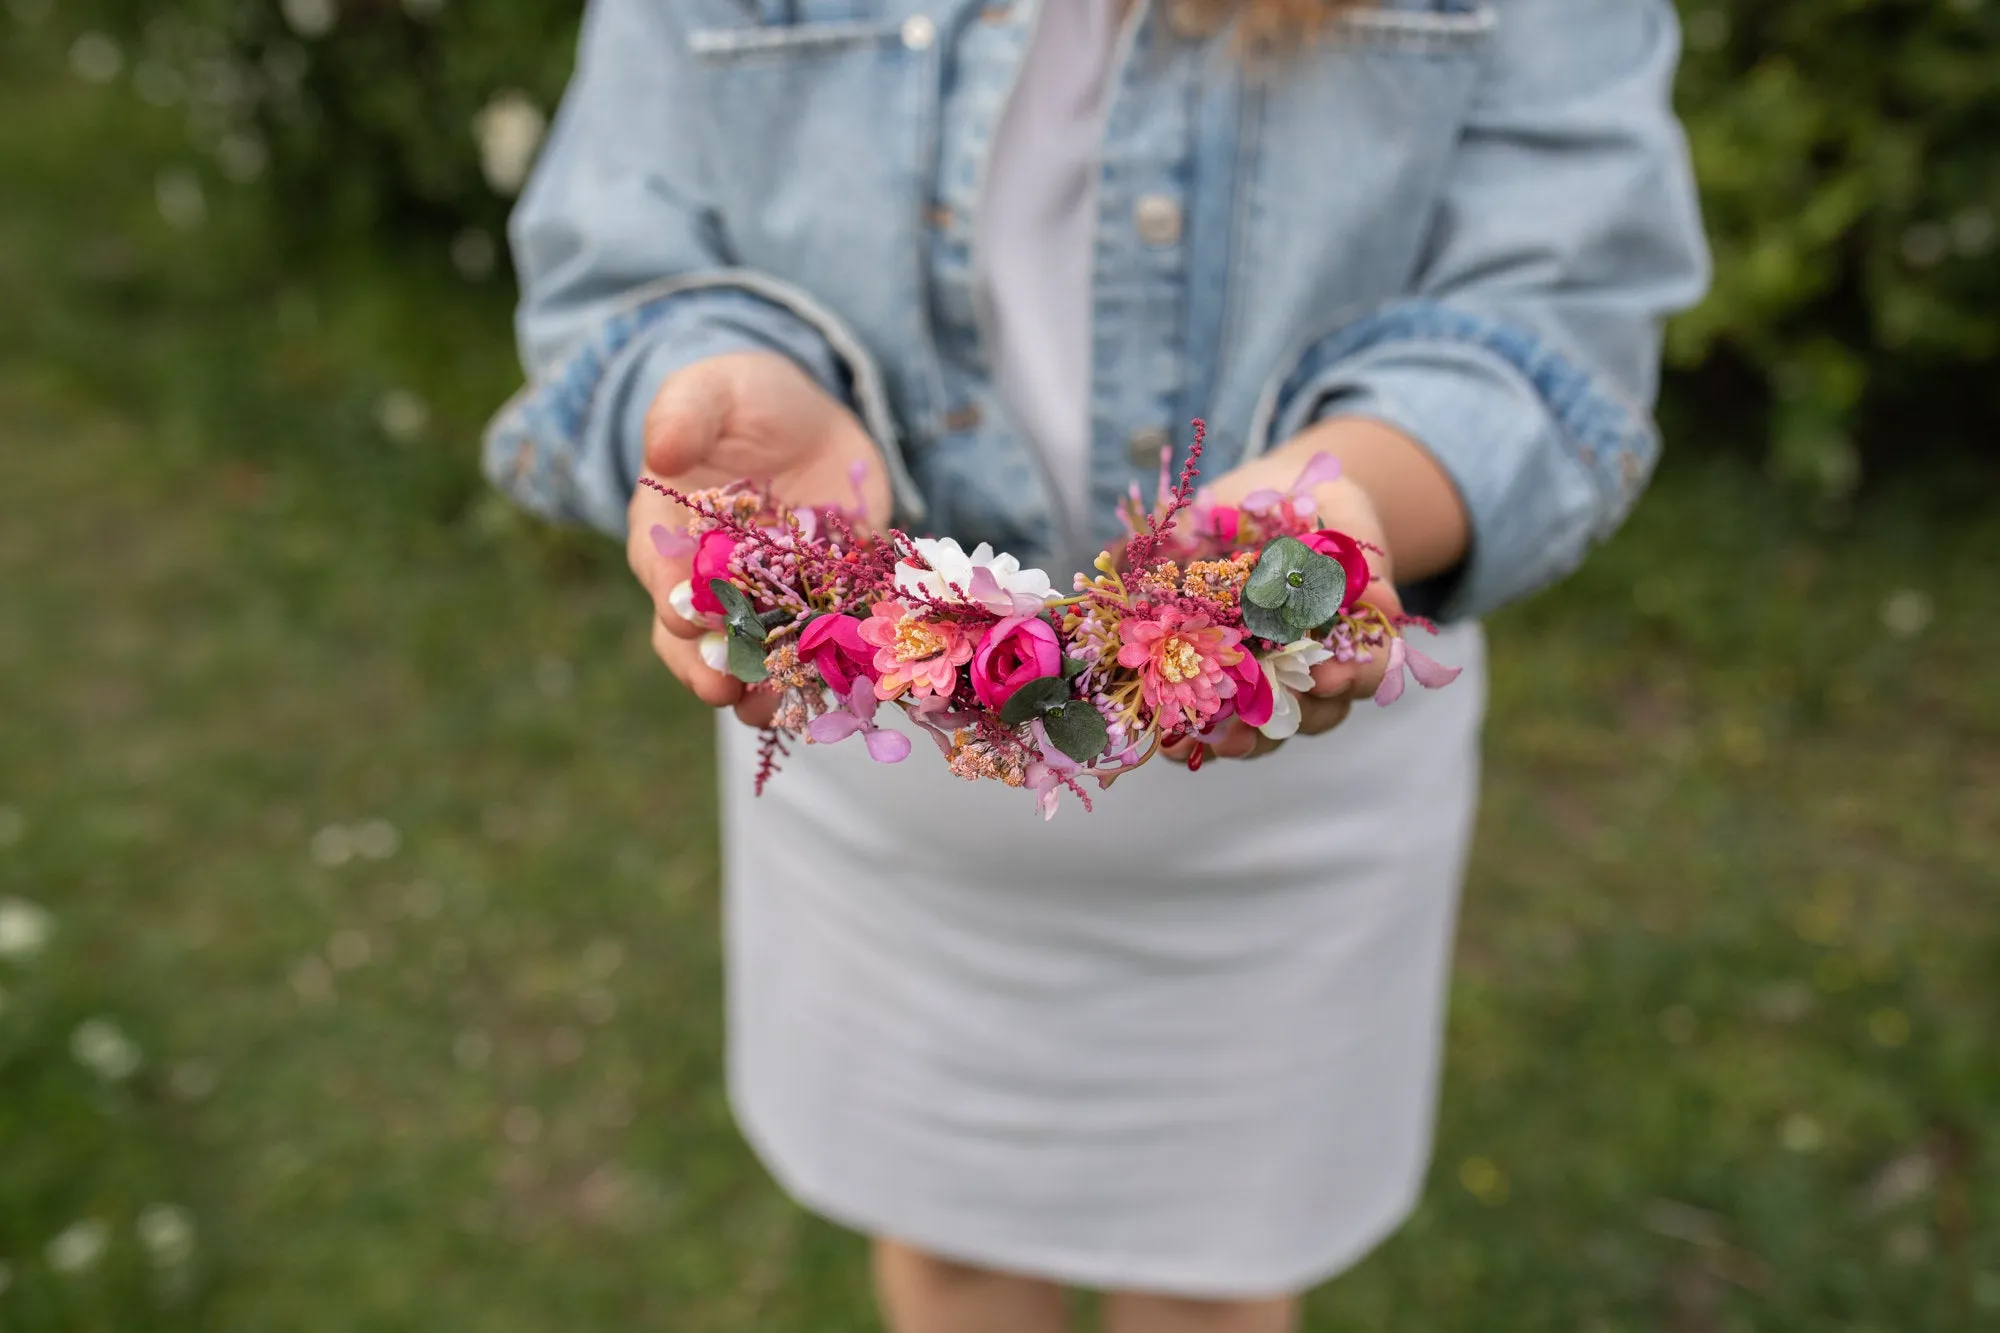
column 1072, row 667
column 736, row 608
column 746, row 657
column 1292, row 590
column 1034, row 699
column 1077, row 729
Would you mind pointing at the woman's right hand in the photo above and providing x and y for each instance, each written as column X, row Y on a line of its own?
column 751, row 415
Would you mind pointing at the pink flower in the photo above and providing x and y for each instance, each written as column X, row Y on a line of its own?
column 884, row 746
column 1347, row 551
column 915, row 654
column 1254, row 700
column 833, row 646
column 711, row 561
column 1430, row 674
column 1013, row 652
column 1183, row 663
column 1222, row 522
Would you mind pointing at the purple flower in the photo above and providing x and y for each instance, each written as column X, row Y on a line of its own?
column 884, row 746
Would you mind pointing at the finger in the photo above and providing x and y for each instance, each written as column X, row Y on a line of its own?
column 1177, row 751
column 685, row 420
column 1239, row 742
column 757, row 708
column 684, row 660
column 657, row 573
column 1333, row 680
column 1318, row 716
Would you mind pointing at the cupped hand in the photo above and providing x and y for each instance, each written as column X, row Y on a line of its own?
column 751, row 415
column 1344, row 507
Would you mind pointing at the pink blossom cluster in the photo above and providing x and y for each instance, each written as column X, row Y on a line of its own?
column 1011, row 680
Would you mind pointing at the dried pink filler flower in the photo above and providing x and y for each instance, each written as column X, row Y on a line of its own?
column 1183, row 662
column 915, row 654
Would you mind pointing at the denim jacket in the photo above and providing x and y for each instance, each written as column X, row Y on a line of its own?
column 1465, row 219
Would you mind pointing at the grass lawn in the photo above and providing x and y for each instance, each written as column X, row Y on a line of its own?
column 358, row 934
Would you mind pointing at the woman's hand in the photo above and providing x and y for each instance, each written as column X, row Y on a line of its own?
column 749, row 415
column 1345, row 507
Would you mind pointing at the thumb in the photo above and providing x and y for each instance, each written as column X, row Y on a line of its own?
column 685, row 420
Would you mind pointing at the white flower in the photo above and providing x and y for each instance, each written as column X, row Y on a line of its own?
column 24, row 929
column 1290, row 672
column 508, row 129
column 310, row 18
column 681, row 598
column 715, row 651
column 102, row 1047
column 78, row 1246
column 167, row 1232
column 996, row 582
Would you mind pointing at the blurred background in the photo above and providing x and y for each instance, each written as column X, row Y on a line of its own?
column 358, row 935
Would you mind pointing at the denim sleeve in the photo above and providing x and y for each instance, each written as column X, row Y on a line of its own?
column 626, row 277
column 1526, row 359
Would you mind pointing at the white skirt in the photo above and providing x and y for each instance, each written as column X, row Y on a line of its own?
column 1188, row 1043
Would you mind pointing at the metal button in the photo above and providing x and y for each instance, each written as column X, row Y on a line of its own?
column 919, row 32
column 1143, row 446
column 1157, row 218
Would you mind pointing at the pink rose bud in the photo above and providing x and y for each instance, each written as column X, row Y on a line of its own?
column 1254, row 702
column 1013, row 652
column 1347, row 551
column 833, row 646
column 711, row 561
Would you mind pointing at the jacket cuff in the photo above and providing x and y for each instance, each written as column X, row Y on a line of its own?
column 570, row 445
column 1547, row 456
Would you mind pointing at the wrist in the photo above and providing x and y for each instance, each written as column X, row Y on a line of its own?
column 1422, row 518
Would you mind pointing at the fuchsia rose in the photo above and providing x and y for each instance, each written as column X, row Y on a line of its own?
column 1183, row 663
column 833, row 646
column 1347, row 551
column 1223, row 522
column 1254, row 700
column 914, row 654
column 1013, row 652
column 711, row 561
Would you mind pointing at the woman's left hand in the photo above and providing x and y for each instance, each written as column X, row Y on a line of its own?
column 1344, row 507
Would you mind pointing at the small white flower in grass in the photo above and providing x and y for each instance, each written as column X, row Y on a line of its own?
column 166, row 1232
column 78, row 1246
column 1801, row 1133
column 402, row 415
column 1907, row 612
column 95, row 58
column 310, row 18
column 375, row 839
column 102, row 1047
column 995, row 582
column 24, row 929
column 508, row 130
column 178, row 194
column 192, row 1080
column 332, row 846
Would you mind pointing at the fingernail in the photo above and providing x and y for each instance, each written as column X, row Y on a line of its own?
column 714, row 650
column 681, row 598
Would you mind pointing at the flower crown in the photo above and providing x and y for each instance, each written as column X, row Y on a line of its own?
column 1206, row 612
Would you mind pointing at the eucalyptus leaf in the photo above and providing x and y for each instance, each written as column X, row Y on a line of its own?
column 736, row 608
column 746, row 657
column 1072, row 667
column 1077, row 729
column 1299, row 586
column 1035, row 699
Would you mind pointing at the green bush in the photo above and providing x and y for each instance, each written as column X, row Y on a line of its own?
column 1846, row 153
